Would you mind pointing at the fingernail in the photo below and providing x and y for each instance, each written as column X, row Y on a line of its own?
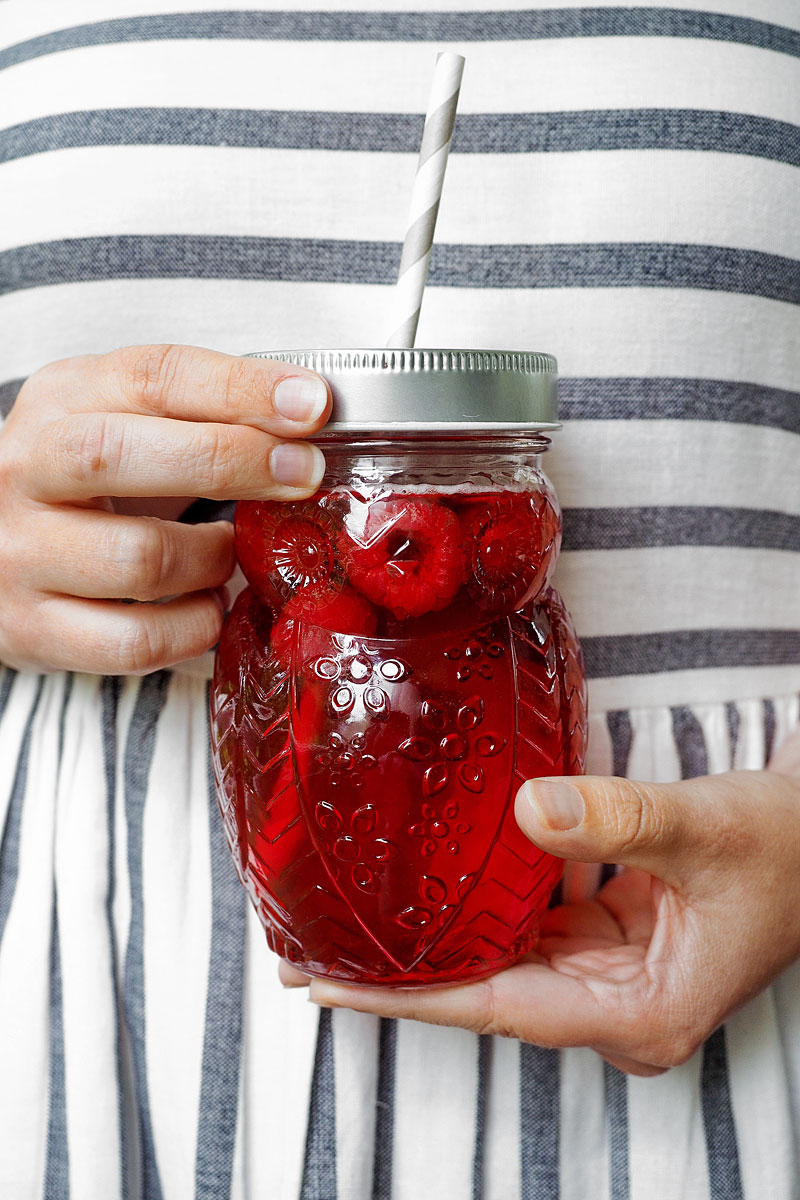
column 301, row 397
column 297, row 464
column 556, row 805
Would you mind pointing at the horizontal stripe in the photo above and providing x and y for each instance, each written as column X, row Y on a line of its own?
column 653, row 198
column 596, row 332
column 30, row 22
column 475, row 133
column 483, row 26
column 684, row 399
column 704, row 686
column 613, row 593
column 689, row 649
column 345, row 261
column 538, row 76
column 602, row 464
column 630, row 528
column 641, row 400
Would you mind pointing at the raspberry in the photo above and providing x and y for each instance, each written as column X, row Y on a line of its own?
column 513, row 550
column 409, row 558
column 285, row 548
column 342, row 612
column 246, row 625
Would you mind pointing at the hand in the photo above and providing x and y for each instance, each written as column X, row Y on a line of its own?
column 703, row 917
column 95, row 453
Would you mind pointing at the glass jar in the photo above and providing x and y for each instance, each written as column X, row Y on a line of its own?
column 397, row 668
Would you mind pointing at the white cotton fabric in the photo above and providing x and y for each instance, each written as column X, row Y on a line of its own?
column 118, row 1076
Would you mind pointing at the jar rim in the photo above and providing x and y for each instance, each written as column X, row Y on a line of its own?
column 428, row 391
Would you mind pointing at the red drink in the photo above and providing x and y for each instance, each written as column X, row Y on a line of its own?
column 399, row 666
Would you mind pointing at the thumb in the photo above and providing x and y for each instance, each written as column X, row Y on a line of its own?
column 657, row 827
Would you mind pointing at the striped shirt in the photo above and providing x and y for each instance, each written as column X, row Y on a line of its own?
column 622, row 192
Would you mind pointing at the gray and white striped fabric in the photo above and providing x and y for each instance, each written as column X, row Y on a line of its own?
column 623, row 192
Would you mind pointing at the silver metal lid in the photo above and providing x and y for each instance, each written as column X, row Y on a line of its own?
column 419, row 391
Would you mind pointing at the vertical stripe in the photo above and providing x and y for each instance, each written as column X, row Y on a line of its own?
column 720, row 1132
column 139, row 748
column 219, row 1089
column 436, row 1093
column 721, row 1149
column 584, row 1134
column 109, row 700
column 485, row 1044
column 616, row 1084
column 760, row 1087
column 319, row 1169
column 734, row 721
column 57, row 1168
column 355, row 1051
column 689, row 742
column 621, row 731
column 501, row 1173
column 9, row 846
column 769, row 729
column 668, row 1159
column 384, row 1120
column 539, row 1123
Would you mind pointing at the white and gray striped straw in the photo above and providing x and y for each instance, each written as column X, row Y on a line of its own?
column 425, row 198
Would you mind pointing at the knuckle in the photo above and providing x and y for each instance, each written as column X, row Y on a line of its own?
column 150, row 560
column 217, row 459
column 488, row 1016
column 485, row 1016
column 156, row 637
column 86, row 448
column 633, row 816
column 151, row 372
column 142, row 646
column 50, row 382
column 237, row 380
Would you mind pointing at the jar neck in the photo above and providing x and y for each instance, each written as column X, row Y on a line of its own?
column 496, row 461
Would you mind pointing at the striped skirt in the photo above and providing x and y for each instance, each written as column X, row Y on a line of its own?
column 148, row 1050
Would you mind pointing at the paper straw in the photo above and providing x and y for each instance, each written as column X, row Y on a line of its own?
column 425, row 198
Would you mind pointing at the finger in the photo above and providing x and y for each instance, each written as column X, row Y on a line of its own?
column 586, row 919
column 665, row 829
column 631, row 900
column 290, row 977
column 104, row 637
column 87, row 455
column 580, row 881
column 523, row 1002
column 189, row 383
column 531, row 1002
column 140, row 558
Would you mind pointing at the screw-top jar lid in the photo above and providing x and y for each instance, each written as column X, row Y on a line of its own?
column 419, row 391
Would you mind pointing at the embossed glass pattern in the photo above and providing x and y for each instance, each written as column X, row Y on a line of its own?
column 398, row 666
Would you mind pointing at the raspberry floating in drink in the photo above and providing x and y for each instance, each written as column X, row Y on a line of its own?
column 407, row 557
